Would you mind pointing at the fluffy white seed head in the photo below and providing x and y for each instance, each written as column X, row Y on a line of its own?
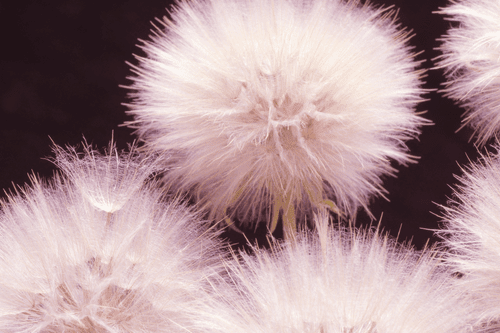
column 345, row 282
column 471, row 59
column 267, row 105
column 472, row 237
column 68, row 266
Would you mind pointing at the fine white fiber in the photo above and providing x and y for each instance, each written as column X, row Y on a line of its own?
column 471, row 59
column 277, row 107
column 344, row 281
column 108, row 181
column 69, row 265
column 471, row 237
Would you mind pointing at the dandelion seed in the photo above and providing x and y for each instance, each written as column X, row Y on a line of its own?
column 278, row 107
column 66, row 265
column 107, row 180
column 471, row 59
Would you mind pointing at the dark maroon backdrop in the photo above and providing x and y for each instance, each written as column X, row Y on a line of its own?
column 62, row 61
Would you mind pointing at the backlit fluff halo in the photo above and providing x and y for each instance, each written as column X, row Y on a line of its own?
column 344, row 281
column 67, row 265
column 278, row 106
column 471, row 235
column 471, row 59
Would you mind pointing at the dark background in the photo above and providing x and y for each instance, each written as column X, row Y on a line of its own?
column 61, row 64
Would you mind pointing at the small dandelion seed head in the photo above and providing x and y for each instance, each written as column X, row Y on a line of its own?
column 262, row 102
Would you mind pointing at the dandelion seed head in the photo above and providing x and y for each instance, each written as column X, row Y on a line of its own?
column 346, row 281
column 66, row 265
column 471, row 237
column 268, row 101
column 471, row 60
